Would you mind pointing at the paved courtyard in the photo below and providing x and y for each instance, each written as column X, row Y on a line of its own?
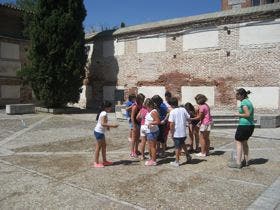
column 45, row 163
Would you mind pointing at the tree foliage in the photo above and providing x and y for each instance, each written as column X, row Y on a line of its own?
column 57, row 53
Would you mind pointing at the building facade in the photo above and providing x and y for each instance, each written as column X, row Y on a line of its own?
column 237, row 4
column 13, row 49
column 212, row 54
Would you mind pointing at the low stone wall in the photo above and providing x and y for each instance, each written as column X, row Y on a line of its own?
column 20, row 109
column 269, row 121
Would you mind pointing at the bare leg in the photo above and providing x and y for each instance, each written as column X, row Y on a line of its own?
column 103, row 150
column 143, row 144
column 177, row 154
column 191, row 135
column 246, row 150
column 97, row 150
column 238, row 151
column 196, row 137
column 153, row 149
column 202, row 142
column 207, row 141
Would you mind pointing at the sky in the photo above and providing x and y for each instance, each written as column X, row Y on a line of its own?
column 110, row 13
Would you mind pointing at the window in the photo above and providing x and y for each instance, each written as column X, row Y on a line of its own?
column 269, row 1
column 256, row 2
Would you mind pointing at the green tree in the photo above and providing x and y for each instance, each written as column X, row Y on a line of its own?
column 57, row 53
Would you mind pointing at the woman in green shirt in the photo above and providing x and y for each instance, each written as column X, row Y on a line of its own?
column 245, row 128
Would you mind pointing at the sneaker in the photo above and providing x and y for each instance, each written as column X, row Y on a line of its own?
column 234, row 165
column 174, row 163
column 200, row 155
column 107, row 163
column 98, row 165
column 188, row 158
column 150, row 163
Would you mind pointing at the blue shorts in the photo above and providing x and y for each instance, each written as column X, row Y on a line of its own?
column 178, row 142
column 152, row 136
column 99, row 136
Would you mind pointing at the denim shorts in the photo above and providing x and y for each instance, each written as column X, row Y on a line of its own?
column 178, row 142
column 152, row 136
column 99, row 136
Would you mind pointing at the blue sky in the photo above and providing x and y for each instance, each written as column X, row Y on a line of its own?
column 110, row 13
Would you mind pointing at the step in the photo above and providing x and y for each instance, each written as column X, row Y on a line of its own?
column 223, row 116
column 225, row 121
column 228, row 121
column 230, row 126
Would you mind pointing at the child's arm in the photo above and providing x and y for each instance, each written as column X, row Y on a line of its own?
column 104, row 123
column 129, row 108
column 200, row 116
column 172, row 128
column 133, row 117
column 156, row 119
column 139, row 117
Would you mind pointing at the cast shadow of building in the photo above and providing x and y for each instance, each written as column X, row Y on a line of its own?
column 103, row 70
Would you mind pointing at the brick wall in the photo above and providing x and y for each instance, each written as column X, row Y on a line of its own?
column 225, row 67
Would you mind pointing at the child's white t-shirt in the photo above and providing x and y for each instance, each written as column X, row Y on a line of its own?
column 179, row 117
column 99, row 128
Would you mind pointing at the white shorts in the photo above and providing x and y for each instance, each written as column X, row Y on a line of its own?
column 205, row 128
column 143, row 130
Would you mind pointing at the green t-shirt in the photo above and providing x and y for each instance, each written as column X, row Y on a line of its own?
column 246, row 120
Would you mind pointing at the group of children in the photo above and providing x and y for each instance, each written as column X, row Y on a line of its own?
column 151, row 119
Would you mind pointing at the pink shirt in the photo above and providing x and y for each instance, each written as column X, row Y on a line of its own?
column 204, row 108
column 143, row 113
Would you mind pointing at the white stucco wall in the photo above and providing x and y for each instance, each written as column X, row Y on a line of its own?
column 264, row 97
column 9, row 50
column 113, row 48
column 189, row 92
column 260, row 33
column 203, row 39
column 9, row 68
column 150, row 91
column 151, row 44
column 10, row 91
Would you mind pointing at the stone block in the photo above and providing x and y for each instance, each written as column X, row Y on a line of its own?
column 20, row 108
column 269, row 121
column 10, row 91
column 120, row 111
column 9, row 50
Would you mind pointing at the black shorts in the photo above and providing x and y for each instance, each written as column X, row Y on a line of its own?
column 244, row 132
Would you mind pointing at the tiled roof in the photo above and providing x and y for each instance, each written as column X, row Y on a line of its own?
column 14, row 7
column 205, row 17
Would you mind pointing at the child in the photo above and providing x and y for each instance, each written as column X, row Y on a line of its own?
column 178, row 118
column 129, row 104
column 99, row 133
column 162, row 109
column 206, row 119
column 193, row 127
column 141, row 117
column 151, row 122
column 135, row 125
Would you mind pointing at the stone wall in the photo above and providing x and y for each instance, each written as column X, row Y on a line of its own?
column 224, row 65
column 13, row 50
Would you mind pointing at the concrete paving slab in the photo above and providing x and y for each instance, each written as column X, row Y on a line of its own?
column 49, row 166
column 26, row 189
